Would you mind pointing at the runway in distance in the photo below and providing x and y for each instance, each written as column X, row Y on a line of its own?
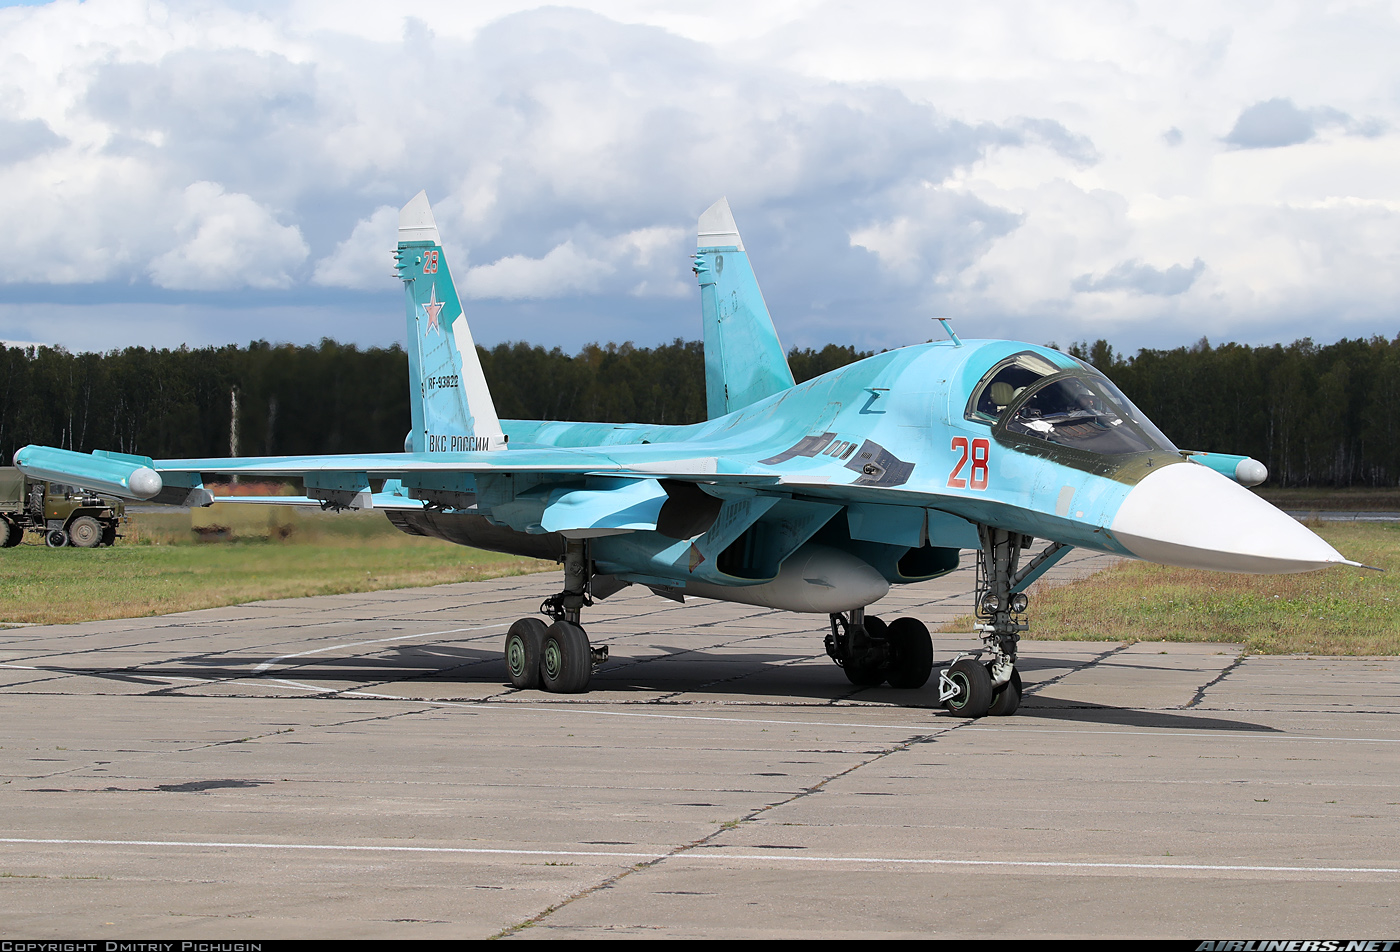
column 812, row 497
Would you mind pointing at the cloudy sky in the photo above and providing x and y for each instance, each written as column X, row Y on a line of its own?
column 209, row 173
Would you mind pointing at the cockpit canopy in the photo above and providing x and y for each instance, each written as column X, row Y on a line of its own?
column 1005, row 382
column 1025, row 397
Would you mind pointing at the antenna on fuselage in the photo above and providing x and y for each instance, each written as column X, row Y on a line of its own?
column 948, row 329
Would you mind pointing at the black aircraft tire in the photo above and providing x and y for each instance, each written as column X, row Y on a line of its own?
column 863, row 674
column 109, row 534
column 974, row 684
column 524, row 643
column 1006, row 698
column 566, row 661
column 56, row 539
column 85, row 532
column 913, row 653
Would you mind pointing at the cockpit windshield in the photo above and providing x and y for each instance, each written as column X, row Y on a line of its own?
column 1088, row 413
column 1028, row 397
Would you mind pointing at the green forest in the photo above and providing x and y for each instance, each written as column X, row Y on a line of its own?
column 1316, row 415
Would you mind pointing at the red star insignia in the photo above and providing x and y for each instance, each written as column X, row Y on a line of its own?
column 432, row 308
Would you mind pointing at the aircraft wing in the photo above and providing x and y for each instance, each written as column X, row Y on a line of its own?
column 380, row 501
column 172, row 481
column 612, row 461
column 139, row 477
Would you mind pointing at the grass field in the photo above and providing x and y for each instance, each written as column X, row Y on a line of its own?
column 1355, row 498
column 1335, row 611
column 160, row 566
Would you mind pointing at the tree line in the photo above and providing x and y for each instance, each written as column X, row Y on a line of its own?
column 1316, row 415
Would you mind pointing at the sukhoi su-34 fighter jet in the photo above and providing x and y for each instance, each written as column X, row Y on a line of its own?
column 812, row 497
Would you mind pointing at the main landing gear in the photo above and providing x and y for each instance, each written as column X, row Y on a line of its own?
column 557, row 657
column 872, row 652
column 976, row 684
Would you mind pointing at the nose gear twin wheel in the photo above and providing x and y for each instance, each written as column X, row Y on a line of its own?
column 1006, row 698
column 968, row 690
column 972, row 685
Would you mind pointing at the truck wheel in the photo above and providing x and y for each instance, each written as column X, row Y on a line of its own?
column 56, row 539
column 10, row 534
column 85, row 532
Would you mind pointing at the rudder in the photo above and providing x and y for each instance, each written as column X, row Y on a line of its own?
column 744, row 361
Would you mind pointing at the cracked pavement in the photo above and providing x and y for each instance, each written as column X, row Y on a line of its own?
column 356, row 766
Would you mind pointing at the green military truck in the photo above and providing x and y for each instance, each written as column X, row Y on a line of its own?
column 66, row 515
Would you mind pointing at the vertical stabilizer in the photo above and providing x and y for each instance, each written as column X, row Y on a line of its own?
column 744, row 361
column 452, row 407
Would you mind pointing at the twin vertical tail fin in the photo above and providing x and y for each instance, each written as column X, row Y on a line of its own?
column 451, row 405
column 744, row 361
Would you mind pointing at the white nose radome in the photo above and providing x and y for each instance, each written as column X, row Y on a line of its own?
column 1191, row 516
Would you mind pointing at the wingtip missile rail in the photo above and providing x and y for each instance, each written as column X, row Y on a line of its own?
column 127, row 476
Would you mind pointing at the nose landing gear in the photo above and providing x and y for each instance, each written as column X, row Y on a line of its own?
column 970, row 686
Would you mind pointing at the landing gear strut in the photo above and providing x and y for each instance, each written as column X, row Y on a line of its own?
column 558, row 656
column 972, row 687
column 871, row 652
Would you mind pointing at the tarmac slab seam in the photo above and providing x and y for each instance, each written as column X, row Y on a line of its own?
column 719, row 750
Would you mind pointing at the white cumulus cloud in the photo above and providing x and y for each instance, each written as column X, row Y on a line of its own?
column 362, row 260
column 1046, row 171
column 228, row 241
column 564, row 270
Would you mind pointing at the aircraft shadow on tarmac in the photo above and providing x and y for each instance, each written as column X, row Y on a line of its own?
column 1085, row 712
column 761, row 675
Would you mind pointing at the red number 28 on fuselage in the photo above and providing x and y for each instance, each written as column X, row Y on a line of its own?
column 980, row 452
